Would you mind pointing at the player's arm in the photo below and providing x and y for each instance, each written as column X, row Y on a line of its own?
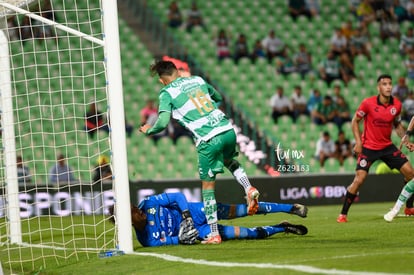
column 177, row 199
column 187, row 233
column 361, row 112
column 164, row 116
column 399, row 127
column 357, row 133
column 159, row 125
column 153, row 234
column 405, row 139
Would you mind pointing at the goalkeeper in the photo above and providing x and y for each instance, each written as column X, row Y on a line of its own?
column 168, row 219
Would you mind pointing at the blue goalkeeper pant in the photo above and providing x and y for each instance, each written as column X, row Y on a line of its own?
column 232, row 211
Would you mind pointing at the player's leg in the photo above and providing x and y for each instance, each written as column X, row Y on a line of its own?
column 407, row 191
column 262, row 232
column 231, row 211
column 409, row 208
column 210, row 210
column 295, row 209
column 209, row 165
column 364, row 162
column 229, row 152
column 351, row 193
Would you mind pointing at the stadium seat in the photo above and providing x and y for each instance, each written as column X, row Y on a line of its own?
column 249, row 91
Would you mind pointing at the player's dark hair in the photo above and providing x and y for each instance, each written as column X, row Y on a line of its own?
column 382, row 76
column 162, row 67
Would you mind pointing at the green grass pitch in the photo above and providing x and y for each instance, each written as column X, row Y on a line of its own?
column 365, row 245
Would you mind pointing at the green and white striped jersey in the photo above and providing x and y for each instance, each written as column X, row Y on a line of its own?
column 192, row 102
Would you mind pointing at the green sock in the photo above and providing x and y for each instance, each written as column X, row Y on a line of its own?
column 407, row 191
column 210, row 210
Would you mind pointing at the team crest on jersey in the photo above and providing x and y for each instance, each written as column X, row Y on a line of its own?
column 361, row 113
column 152, row 211
column 393, row 111
column 363, row 163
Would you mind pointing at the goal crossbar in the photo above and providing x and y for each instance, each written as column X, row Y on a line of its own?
column 53, row 23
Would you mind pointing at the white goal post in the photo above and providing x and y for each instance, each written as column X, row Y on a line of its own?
column 48, row 81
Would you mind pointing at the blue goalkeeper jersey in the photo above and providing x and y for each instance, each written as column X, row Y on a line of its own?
column 164, row 217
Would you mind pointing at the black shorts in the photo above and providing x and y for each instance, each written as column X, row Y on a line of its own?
column 391, row 155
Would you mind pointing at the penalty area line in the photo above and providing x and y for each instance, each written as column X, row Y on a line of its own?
column 299, row 268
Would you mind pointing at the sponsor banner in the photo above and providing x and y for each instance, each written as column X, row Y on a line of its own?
column 85, row 199
column 315, row 189
column 308, row 190
column 82, row 199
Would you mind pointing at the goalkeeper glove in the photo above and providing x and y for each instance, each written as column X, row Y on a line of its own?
column 188, row 233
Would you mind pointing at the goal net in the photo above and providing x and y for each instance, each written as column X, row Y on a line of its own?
column 62, row 153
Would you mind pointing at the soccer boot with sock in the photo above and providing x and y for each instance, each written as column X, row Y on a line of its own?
column 212, row 239
column 300, row 210
column 390, row 215
column 342, row 218
column 409, row 211
column 296, row 229
column 252, row 201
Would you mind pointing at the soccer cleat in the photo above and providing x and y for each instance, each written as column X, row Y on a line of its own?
column 300, row 210
column 212, row 240
column 261, row 233
column 296, row 229
column 342, row 218
column 252, row 201
column 409, row 211
column 390, row 215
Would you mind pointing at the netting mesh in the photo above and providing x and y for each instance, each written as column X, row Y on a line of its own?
column 56, row 78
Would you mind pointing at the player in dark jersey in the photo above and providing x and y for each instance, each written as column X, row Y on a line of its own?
column 157, row 219
column 380, row 113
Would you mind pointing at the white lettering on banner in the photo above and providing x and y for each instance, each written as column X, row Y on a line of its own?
column 335, row 191
column 42, row 201
column 293, row 193
column 108, row 200
column 61, row 203
column 82, row 203
column 62, row 199
column 26, row 209
column 76, row 203
column 315, row 192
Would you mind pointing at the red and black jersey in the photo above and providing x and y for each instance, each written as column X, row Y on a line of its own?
column 378, row 121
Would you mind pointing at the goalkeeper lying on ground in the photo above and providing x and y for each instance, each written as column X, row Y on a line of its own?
column 168, row 219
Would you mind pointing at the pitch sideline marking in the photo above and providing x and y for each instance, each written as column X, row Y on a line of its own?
column 350, row 256
column 299, row 268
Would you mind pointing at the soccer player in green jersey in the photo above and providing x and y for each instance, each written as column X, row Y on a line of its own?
column 193, row 103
